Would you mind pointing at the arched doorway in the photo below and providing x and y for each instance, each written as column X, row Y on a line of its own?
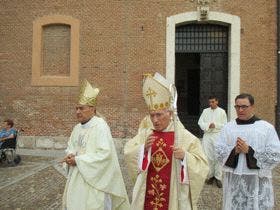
column 201, row 69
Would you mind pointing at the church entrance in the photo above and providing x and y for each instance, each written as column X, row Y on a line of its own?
column 201, row 63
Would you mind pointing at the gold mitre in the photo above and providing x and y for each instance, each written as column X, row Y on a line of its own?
column 156, row 92
column 88, row 94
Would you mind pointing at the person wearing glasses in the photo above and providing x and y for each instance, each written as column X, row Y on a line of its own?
column 211, row 122
column 248, row 149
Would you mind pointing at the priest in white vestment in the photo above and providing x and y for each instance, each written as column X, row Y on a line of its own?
column 248, row 149
column 169, row 168
column 211, row 122
column 94, row 178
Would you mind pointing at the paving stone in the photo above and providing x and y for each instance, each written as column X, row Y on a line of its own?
column 42, row 188
column 38, row 183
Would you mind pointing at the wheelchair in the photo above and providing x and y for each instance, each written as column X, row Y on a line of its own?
column 8, row 151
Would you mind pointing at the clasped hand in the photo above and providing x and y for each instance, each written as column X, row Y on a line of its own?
column 212, row 125
column 70, row 160
column 241, row 146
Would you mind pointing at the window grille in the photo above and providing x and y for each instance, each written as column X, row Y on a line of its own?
column 201, row 38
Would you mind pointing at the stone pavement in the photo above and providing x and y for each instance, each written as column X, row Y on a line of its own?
column 38, row 183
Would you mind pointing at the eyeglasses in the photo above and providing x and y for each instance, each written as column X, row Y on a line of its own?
column 243, row 107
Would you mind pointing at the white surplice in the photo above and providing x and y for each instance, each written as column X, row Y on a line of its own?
column 246, row 188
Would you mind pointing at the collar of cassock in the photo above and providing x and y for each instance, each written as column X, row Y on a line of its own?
column 88, row 124
column 252, row 120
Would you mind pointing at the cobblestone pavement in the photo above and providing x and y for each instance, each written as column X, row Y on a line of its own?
column 38, row 183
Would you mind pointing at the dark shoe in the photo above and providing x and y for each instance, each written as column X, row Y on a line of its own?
column 210, row 181
column 219, row 183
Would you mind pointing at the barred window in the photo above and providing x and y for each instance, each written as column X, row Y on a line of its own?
column 201, row 38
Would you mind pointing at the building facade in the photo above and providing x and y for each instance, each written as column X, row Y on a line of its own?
column 205, row 47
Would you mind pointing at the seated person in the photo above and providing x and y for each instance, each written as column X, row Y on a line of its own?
column 8, row 132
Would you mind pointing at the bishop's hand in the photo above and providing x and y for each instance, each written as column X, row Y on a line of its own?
column 70, row 160
column 179, row 153
column 149, row 142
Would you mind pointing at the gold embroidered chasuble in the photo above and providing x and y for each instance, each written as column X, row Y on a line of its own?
column 182, row 195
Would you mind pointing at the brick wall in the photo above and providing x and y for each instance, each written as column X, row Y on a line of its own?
column 119, row 41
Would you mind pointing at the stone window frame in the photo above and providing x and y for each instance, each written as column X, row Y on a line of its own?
column 53, row 80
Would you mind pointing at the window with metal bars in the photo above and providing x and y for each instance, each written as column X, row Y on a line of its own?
column 201, row 38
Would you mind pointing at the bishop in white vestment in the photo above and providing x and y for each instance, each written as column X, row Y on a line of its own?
column 94, row 177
